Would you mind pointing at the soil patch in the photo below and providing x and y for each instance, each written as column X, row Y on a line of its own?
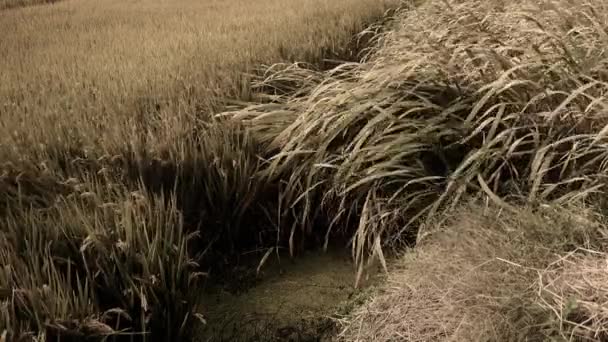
column 290, row 300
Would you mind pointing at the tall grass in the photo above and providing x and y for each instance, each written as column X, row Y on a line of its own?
column 504, row 101
column 97, row 262
column 117, row 186
column 99, row 72
column 465, row 98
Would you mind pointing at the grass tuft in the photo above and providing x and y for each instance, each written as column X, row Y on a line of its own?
column 96, row 263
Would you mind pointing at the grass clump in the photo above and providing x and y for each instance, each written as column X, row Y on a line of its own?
column 214, row 175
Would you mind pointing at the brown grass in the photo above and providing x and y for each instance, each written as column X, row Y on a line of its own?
column 484, row 274
column 104, row 70
column 116, row 185
column 574, row 291
column 8, row 4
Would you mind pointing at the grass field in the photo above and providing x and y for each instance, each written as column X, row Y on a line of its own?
column 115, row 180
column 99, row 66
column 134, row 172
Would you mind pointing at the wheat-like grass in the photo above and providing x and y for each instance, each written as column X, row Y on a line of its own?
column 96, row 262
column 504, row 101
column 464, row 97
column 116, row 184
column 91, row 74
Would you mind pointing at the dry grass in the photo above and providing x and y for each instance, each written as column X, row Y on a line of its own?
column 465, row 97
column 505, row 101
column 574, row 290
column 115, row 182
column 101, row 71
column 484, row 274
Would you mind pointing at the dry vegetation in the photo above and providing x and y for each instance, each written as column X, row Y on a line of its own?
column 98, row 72
column 115, row 182
column 494, row 99
column 486, row 274
column 465, row 98
column 8, row 4
column 133, row 185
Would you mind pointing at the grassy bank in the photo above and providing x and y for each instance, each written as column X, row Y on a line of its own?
column 485, row 274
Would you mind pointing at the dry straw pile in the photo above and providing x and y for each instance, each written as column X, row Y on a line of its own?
column 485, row 274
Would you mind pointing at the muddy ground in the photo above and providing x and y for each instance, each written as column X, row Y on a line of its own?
column 289, row 300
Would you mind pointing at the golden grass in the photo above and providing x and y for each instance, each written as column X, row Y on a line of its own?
column 8, row 4
column 115, row 181
column 485, row 274
column 102, row 67
column 463, row 99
